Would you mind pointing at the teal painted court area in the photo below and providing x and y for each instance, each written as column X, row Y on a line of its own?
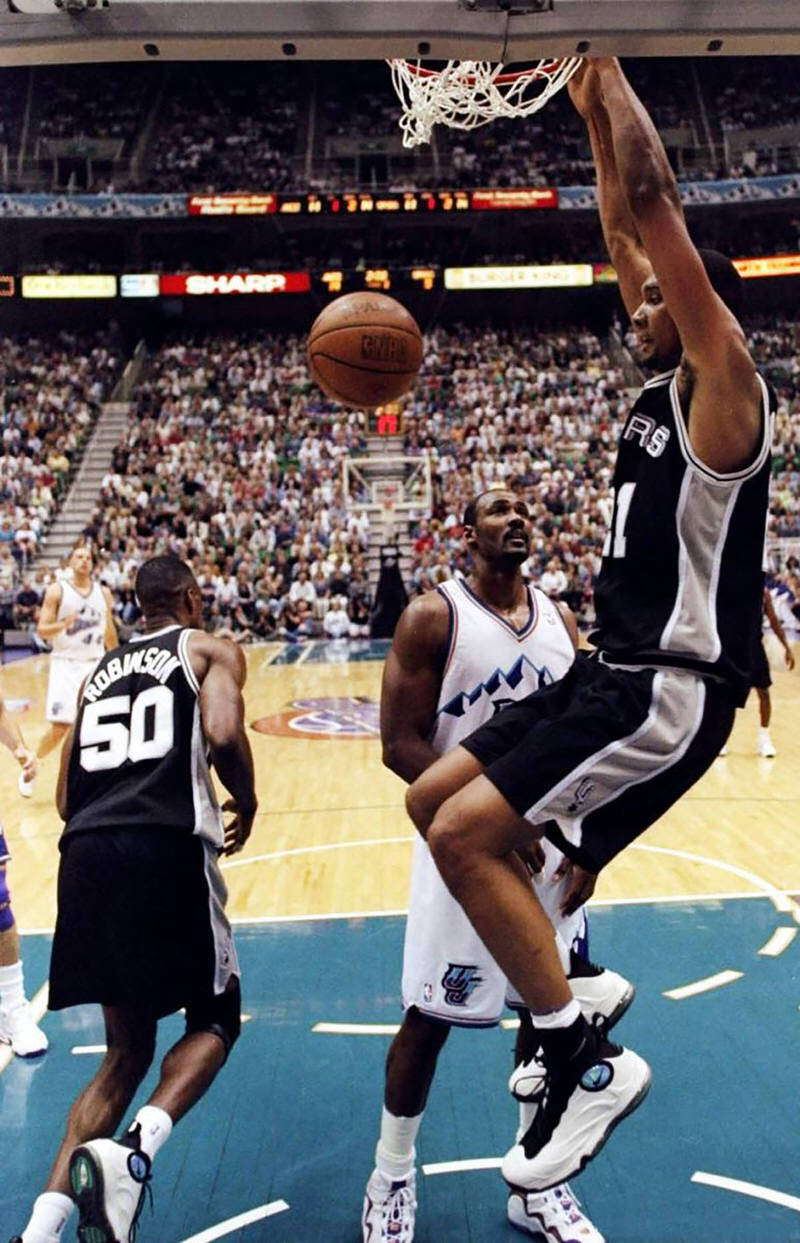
column 294, row 1115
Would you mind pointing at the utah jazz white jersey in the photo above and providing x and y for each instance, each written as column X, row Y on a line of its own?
column 85, row 638
column 447, row 971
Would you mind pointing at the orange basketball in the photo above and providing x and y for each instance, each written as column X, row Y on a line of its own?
column 364, row 349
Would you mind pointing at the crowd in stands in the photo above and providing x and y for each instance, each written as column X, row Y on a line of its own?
column 270, row 125
column 219, row 130
column 108, row 101
column 50, row 395
column 232, row 460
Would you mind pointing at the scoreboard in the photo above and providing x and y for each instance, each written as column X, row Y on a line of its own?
column 403, row 203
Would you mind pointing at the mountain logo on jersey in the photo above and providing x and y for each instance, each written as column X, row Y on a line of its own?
column 510, row 679
column 345, row 717
column 459, row 983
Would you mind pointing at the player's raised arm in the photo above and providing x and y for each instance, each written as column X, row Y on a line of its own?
column 411, row 682
column 720, row 388
column 623, row 243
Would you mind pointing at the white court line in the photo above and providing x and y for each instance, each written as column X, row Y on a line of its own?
column 304, row 655
column 780, row 900
column 236, row 1223
column 456, row 1167
column 356, row 1029
column 38, row 1007
column 79, row 1050
column 312, row 850
column 747, row 1189
column 274, row 656
column 658, row 900
column 509, row 1025
column 703, row 986
column 780, row 940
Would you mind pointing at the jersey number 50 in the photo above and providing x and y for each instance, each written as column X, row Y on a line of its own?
column 148, row 734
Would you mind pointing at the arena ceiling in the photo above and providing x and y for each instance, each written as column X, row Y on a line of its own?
column 38, row 32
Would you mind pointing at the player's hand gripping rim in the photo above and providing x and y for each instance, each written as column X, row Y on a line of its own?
column 238, row 829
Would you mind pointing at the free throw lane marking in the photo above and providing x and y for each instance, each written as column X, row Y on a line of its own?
column 780, row 940
column 747, row 1189
column 703, row 986
column 236, row 1223
column 458, row 1167
column 356, row 1029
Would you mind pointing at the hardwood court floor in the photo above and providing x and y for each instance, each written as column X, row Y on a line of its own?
column 332, row 837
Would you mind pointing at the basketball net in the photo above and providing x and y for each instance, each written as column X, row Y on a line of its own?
column 469, row 93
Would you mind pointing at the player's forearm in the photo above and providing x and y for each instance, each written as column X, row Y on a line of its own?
column 49, row 629
column 618, row 225
column 640, row 159
column 233, row 761
column 10, row 734
column 408, row 757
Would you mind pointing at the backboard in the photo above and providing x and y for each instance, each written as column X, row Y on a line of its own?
column 511, row 31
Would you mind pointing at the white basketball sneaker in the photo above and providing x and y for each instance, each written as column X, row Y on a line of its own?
column 19, row 1029
column 766, row 747
column 108, row 1182
column 25, row 787
column 603, row 996
column 389, row 1209
column 555, row 1216
column 580, row 1105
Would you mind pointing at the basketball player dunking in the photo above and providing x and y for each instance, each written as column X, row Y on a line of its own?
column 460, row 655
column 595, row 758
column 141, row 926
column 76, row 619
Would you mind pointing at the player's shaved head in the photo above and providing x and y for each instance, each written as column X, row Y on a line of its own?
column 471, row 510
column 161, row 582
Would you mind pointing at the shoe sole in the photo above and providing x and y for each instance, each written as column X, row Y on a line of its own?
column 621, row 1008
column 27, row 1057
column 88, row 1192
column 565, row 1177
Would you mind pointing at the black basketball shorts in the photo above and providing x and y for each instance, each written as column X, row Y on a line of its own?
column 598, row 756
column 760, row 676
column 141, row 922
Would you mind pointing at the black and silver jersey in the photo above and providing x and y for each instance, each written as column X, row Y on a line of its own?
column 681, row 580
column 139, row 755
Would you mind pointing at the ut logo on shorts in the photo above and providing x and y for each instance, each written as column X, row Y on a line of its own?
column 459, row 983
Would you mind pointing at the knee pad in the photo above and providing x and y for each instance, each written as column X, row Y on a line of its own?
column 6, row 914
column 221, row 1015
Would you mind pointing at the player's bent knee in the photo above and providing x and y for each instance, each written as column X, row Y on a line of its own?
column 447, row 847
column 220, row 1015
column 6, row 914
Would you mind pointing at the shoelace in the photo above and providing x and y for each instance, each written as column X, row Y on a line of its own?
column 567, row 1205
column 147, row 1194
column 399, row 1203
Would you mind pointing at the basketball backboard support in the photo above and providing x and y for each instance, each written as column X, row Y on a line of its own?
column 512, row 31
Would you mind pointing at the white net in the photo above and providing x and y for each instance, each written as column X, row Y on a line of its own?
column 469, row 93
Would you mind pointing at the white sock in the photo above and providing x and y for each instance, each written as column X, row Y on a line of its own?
column 763, row 733
column 51, row 1212
column 558, row 1018
column 395, row 1153
column 12, row 986
column 156, row 1127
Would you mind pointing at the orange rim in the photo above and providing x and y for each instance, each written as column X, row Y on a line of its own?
column 545, row 68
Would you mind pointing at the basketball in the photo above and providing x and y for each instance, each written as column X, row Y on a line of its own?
column 364, row 349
